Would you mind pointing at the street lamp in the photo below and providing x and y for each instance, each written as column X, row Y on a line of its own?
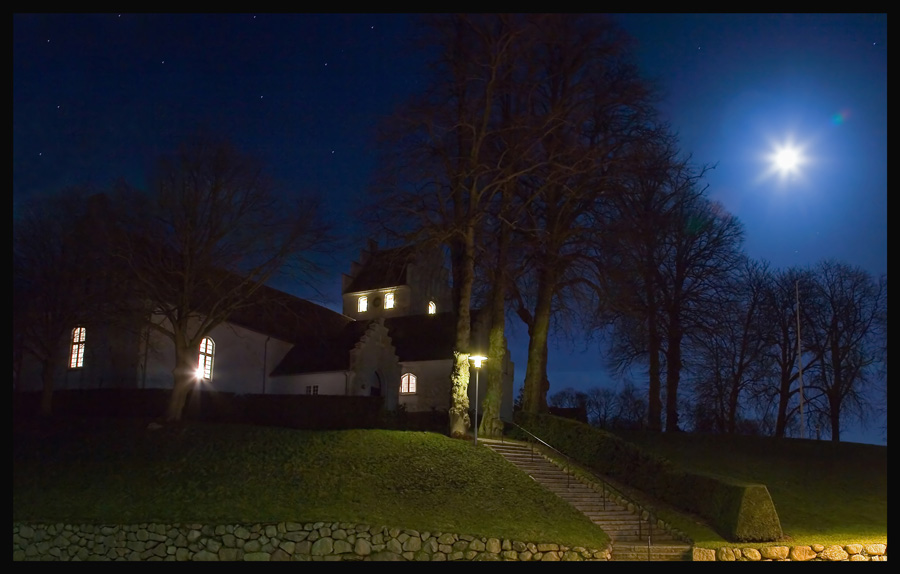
column 477, row 360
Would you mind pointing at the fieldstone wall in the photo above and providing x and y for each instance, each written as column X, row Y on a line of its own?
column 284, row 541
column 818, row 552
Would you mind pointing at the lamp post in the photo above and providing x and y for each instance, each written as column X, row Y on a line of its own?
column 477, row 360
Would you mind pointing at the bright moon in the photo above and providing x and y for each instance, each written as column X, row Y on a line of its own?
column 785, row 160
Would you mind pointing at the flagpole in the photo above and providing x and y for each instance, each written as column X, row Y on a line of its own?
column 799, row 357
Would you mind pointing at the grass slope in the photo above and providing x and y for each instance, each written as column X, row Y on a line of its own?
column 824, row 492
column 117, row 471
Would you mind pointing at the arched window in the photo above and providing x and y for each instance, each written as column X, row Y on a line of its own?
column 363, row 304
column 432, row 308
column 408, row 384
column 205, row 362
column 389, row 300
column 76, row 355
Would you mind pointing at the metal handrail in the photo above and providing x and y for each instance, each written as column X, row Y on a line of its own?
column 538, row 439
column 641, row 509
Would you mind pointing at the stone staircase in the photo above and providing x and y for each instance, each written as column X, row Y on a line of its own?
column 632, row 538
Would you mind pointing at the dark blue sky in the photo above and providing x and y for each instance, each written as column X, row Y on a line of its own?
column 97, row 96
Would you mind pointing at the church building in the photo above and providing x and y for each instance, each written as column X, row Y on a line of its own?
column 394, row 338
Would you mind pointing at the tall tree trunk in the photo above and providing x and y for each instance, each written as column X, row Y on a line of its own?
column 536, row 384
column 834, row 403
column 48, row 368
column 183, row 375
column 459, row 378
column 654, row 403
column 673, row 374
column 784, row 396
column 491, row 425
column 733, row 395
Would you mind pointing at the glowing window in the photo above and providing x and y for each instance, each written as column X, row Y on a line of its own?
column 205, row 363
column 363, row 304
column 408, row 384
column 388, row 300
column 76, row 356
column 432, row 308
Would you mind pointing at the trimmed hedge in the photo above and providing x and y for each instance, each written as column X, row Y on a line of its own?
column 739, row 511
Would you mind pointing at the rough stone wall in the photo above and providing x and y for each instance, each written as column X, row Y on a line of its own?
column 284, row 541
column 815, row 552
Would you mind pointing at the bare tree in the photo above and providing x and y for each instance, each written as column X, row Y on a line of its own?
column 46, row 275
column 602, row 405
column 447, row 155
column 522, row 124
column 568, row 398
column 728, row 347
column 667, row 252
column 208, row 235
column 633, row 251
column 61, row 277
column 589, row 104
column 632, row 408
column 782, row 388
column 846, row 332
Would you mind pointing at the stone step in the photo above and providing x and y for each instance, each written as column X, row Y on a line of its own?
column 625, row 528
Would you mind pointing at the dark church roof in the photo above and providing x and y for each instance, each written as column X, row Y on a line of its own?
column 415, row 338
column 384, row 268
column 313, row 353
column 287, row 317
column 423, row 337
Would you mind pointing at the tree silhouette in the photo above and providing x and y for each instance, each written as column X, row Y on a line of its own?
column 206, row 238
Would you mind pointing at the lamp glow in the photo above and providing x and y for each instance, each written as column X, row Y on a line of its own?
column 476, row 360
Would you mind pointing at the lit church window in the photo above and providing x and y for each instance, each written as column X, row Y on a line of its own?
column 388, row 300
column 408, row 384
column 76, row 357
column 432, row 308
column 207, row 350
column 363, row 304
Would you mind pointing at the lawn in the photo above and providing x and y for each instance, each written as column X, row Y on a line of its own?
column 97, row 470
column 117, row 471
column 824, row 492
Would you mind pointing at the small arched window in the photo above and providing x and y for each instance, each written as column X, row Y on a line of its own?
column 76, row 355
column 432, row 308
column 205, row 362
column 408, row 384
column 389, row 300
column 363, row 304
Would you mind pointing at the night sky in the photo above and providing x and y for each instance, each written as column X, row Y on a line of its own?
column 98, row 96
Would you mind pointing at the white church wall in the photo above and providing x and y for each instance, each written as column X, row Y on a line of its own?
column 241, row 361
column 327, row 383
column 432, row 385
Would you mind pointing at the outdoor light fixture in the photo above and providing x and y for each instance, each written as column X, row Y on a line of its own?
column 477, row 360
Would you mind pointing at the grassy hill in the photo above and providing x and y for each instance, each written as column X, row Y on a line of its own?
column 117, row 471
column 824, row 492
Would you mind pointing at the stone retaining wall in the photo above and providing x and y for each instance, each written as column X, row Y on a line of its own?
column 282, row 541
column 820, row 552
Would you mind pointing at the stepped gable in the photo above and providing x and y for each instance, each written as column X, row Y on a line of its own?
column 314, row 353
